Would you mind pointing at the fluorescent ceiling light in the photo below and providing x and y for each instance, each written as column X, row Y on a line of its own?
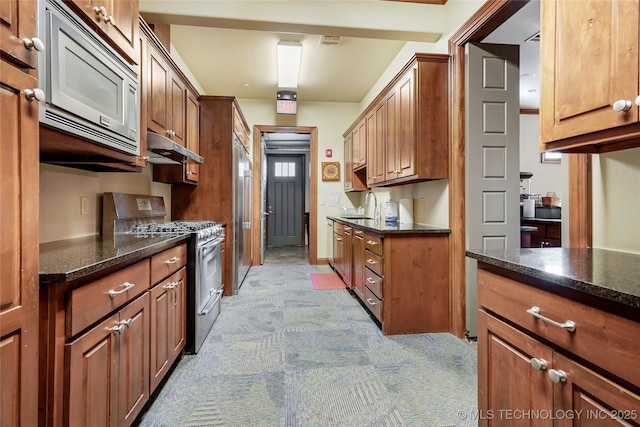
column 289, row 54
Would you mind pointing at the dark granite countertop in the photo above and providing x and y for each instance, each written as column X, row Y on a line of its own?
column 611, row 275
column 72, row 259
column 558, row 220
column 398, row 228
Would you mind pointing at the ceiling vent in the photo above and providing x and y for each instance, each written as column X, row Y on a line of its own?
column 534, row 38
column 330, row 40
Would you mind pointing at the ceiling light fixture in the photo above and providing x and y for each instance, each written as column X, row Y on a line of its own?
column 289, row 53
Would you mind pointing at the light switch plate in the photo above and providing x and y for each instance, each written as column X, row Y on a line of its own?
column 84, row 205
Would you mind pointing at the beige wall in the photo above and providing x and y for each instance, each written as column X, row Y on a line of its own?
column 61, row 189
column 616, row 200
column 546, row 176
column 331, row 119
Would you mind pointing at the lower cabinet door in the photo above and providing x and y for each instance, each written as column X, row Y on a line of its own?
column 133, row 358
column 507, row 380
column 92, row 364
column 592, row 398
column 168, row 326
column 108, row 369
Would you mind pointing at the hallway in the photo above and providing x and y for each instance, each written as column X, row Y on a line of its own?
column 284, row 354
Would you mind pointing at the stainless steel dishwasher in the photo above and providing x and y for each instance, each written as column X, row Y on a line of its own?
column 330, row 242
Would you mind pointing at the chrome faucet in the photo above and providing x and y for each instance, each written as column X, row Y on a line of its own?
column 376, row 216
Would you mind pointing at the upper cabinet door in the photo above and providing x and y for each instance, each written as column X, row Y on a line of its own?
column 589, row 62
column 116, row 21
column 18, row 19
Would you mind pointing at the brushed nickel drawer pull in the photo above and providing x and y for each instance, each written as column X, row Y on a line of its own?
column 370, row 261
column 370, row 280
column 125, row 287
column 370, row 301
column 127, row 322
column 569, row 325
column 371, row 242
column 172, row 260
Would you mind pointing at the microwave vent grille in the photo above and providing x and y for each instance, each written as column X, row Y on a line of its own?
column 91, row 133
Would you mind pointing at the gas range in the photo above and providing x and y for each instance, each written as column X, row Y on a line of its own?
column 143, row 216
column 204, row 231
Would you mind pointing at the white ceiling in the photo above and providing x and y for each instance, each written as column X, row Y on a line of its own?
column 230, row 45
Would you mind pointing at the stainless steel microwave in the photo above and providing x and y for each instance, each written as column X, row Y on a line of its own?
column 90, row 91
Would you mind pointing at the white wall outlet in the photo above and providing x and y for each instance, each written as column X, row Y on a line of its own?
column 84, row 205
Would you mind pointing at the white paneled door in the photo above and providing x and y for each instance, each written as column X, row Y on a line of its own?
column 492, row 155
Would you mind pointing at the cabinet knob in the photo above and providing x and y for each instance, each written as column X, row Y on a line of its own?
column 622, row 105
column 100, row 11
column 119, row 329
column 37, row 94
column 557, row 376
column 638, row 101
column 538, row 364
column 33, row 43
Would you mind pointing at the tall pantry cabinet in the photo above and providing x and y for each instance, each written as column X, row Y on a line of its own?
column 19, row 168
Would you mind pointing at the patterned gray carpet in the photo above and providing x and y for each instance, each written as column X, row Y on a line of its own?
column 284, row 354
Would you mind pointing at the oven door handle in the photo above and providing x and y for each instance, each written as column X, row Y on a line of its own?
column 209, row 247
column 212, row 303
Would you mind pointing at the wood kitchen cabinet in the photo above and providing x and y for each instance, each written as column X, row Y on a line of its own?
column 108, row 369
column 192, row 173
column 405, row 276
column 376, row 140
column 108, row 340
column 528, row 364
column 373, row 275
column 360, row 135
column 19, row 23
column 407, row 125
column 166, row 97
column 589, row 96
column 212, row 198
column 347, row 260
column 171, row 108
column 19, row 169
column 168, row 311
column 353, row 181
column 358, row 263
column 116, row 21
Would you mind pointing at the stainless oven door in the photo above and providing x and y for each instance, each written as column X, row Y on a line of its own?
column 208, row 288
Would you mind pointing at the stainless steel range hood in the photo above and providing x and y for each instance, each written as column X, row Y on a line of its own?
column 162, row 150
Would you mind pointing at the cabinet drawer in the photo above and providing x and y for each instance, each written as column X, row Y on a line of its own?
column 373, row 244
column 594, row 329
column 89, row 303
column 168, row 262
column 338, row 228
column 374, row 262
column 373, row 282
column 373, row 303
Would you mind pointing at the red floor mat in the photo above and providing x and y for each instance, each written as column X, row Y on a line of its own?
column 327, row 281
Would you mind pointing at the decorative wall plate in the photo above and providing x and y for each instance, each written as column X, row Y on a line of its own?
column 330, row 171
